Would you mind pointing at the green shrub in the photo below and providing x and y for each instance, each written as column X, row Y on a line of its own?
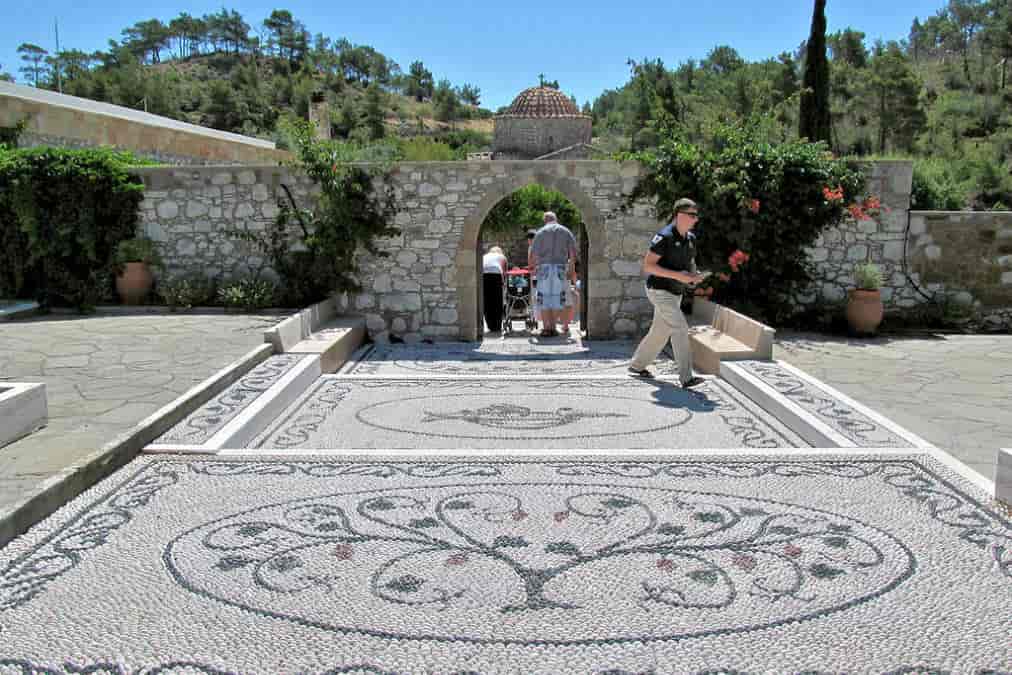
column 62, row 213
column 187, row 292
column 770, row 201
column 137, row 249
column 936, row 186
column 867, row 277
column 314, row 250
column 249, row 294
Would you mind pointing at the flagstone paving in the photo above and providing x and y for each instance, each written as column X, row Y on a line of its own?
column 954, row 391
column 104, row 374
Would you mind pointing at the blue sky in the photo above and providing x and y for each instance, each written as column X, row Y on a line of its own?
column 584, row 45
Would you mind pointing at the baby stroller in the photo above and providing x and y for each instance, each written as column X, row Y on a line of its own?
column 518, row 300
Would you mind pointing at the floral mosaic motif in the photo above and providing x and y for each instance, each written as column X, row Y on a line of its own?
column 976, row 524
column 390, row 559
column 842, row 417
column 511, row 416
column 212, row 416
column 28, row 575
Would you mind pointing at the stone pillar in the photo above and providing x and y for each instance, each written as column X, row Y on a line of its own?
column 319, row 115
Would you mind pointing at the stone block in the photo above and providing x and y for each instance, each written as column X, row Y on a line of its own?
column 1003, row 477
column 334, row 342
column 167, row 210
column 246, row 177
column 23, row 409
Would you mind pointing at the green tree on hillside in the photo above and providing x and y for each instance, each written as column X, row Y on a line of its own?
column 814, row 123
column 372, row 111
column 445, row 101
column 419, row 82
column 895, row 88
column 34, row 57
column 469, row 94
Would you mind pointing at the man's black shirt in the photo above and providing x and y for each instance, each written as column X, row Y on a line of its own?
column 677, row 253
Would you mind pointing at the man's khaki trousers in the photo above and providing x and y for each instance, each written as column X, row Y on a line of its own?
column 669, row 324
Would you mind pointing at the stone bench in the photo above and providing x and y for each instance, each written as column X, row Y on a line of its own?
column 721, row 333
column 334, row 341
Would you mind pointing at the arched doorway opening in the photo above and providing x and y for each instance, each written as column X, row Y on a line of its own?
column 594, row 267
column 506, row 226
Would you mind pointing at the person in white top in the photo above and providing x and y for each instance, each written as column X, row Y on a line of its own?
column 493, row 267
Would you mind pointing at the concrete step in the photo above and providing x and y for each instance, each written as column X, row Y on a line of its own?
column 334, row 342
column 243, row 410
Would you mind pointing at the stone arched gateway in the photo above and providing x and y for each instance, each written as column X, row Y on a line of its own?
column 467, row 279
column 428, row 285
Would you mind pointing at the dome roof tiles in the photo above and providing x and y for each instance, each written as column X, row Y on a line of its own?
column 542, row 102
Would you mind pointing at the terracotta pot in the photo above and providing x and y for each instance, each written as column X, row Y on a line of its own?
column 134, row 283
column 864, row 311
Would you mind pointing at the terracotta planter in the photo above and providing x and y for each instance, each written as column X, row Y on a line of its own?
column 134, row 283
column 864, row 311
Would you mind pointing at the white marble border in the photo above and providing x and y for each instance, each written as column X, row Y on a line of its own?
column 23, row 409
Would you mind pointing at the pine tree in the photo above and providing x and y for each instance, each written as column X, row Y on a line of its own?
column 814, row 123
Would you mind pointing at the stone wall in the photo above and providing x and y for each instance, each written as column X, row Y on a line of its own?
column 429, row 285
column 839, row 250
column 527, row 138
column 72, row 122
column 964, row 257
column 188, row 212
column 968, row 256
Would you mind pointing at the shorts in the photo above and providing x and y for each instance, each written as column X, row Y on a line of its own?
column 552, row 287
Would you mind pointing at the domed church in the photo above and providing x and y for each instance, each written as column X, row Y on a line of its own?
column 542, row 123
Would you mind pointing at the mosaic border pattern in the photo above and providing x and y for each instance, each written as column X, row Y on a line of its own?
column 515, row 359
column 204, row 423
column 843, row 418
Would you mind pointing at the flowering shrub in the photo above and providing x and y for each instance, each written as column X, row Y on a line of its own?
column 709, row 285
column 770, row 200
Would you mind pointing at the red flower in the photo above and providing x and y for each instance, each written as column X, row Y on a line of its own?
column 832, row 195
column 457, row 559
column 856, row 212
column 665, row 564
column 872, row 203
column 792, row 550
column 744, row 561
column 334, row 167
column 754, row 206
column 344, row 551
column 519, row 515
column 561, row 515
column 723, row 276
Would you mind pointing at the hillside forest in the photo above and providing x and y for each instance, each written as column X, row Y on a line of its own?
column 942, row 96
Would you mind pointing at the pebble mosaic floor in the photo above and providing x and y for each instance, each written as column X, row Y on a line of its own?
column 749, row 561
column 623, row 412
column 740, row 564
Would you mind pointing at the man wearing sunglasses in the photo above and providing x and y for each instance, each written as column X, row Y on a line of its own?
column 671, row 265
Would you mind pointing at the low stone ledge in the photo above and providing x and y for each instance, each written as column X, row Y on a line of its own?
column 726, row 335
column 1003, row 477
column 333, row 342
column 23, row 409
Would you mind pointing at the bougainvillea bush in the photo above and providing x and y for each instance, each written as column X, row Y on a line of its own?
column 771, row 201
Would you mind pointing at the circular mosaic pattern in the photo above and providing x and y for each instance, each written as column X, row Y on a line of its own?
column 533, row 416
column 538, row 563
